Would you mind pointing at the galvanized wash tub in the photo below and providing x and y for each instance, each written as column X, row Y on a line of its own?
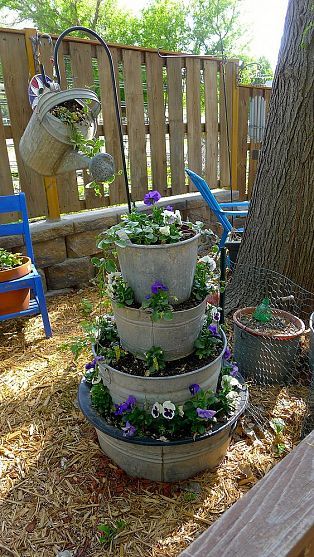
column 171, row 264
column 266, row 358
column 152, row 389
column 138, row 333
column 169, row 461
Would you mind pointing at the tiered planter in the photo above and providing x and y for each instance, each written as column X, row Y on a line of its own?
column 14, row 301
column 169, row 461
column 138, row 333
column 172, row 264
column 266, row 358
column 152, row 389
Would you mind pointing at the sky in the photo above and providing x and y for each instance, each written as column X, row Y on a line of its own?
column 263, row 18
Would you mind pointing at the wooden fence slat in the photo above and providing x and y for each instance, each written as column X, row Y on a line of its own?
column 66, row 183
column 156, row 113
column 117, row 188
column 244, row 99
column 193, row 108
column 223, row 144
column 176, row 125
column 211, row 118
column 135, row 118
column 82, row 73
column 15, row 73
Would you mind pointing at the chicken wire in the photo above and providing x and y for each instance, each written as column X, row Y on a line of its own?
column 268, row 362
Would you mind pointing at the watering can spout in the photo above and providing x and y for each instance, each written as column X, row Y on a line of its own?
column 101, row 166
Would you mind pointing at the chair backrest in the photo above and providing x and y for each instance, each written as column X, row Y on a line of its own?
column 17, row 203
column 210, row 199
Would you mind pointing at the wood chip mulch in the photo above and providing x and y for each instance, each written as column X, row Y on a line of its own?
column 57, row 487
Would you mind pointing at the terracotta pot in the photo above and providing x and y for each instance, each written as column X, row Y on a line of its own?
column 14, row 301
column 266, row 358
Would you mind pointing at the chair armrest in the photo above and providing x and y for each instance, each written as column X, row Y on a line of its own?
column 234, row 213
column 235, row 203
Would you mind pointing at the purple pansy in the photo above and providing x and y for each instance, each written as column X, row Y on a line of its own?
column 234, row 370
column 125, row 406
column 129, row 430
column 227, row 353
column 94, row 362
column 158, row 286
column 214, row 330
column 152, row 197
column 205, row 414
column 194, row 389
column 169, row 208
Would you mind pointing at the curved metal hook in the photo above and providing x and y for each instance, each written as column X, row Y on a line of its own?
column 114, row 87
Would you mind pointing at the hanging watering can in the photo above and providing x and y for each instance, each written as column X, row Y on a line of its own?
column 46, row 145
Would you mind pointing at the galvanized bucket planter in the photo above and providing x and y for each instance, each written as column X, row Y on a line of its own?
column 172, row 264
column 152, row 389
column 46, row 145
column 138, row 333
column 266, row 358
column 169, row 461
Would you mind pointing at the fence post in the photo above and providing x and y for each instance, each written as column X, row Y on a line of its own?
column 235, row 127
column 49, row 181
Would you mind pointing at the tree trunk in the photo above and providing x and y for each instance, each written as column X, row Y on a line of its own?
column 279, row 229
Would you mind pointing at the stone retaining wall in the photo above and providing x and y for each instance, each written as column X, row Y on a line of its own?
column 63, row 249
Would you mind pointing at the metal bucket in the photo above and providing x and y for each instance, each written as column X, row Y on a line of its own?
column 169, row 461
column 264, row 358
column 152, row 389
column 138, row 333
column 46, row 141
column 172, row 264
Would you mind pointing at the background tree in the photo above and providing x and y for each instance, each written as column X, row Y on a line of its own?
column 279, row 233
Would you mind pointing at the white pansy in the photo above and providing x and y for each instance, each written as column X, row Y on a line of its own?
column 157, row 409
column 162, row 438
column 181, row 411
column 232, row 396
column 96, row 380
column 169, row 217
column 164, row 230
column 229, row 381
column 178, row 216
column 168, row 410
column 208, row 261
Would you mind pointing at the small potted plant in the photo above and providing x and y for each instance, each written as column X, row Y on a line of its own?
column 13, row 266
column 266, row 341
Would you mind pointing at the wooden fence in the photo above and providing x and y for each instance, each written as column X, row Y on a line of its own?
column 174, row 115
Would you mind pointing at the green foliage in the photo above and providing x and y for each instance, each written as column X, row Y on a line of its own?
column 86, row 307
column 119, row 290
column 109, row 531
column 278, row 425
column 159, row 305
column 205, row 281
column 206, row 344
column 143, row 229
column 100, row 331
column 101, row 399
column 9, row 260
column 155, row 360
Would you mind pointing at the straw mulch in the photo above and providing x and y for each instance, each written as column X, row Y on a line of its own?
column 57, row 487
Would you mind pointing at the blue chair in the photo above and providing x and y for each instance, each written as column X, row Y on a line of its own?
column 17, row 203
column 218, row 208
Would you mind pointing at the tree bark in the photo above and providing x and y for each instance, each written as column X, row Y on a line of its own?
column 279, row 229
